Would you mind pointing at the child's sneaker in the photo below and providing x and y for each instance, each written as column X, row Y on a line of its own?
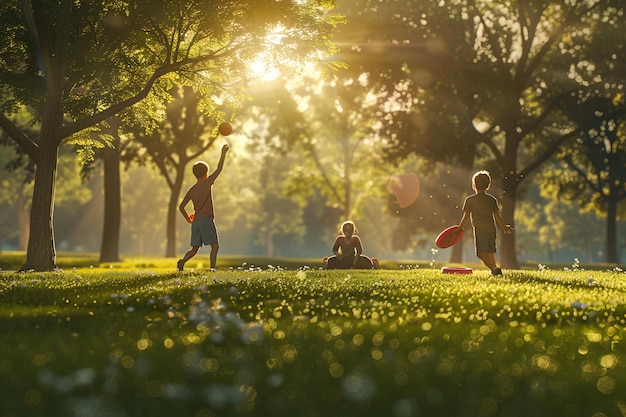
column 180, row 265
column 213, row 270
column 496, row 272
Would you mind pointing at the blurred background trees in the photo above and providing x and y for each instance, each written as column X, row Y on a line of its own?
column 76, row 65
column 532, row 91
column 485, row 83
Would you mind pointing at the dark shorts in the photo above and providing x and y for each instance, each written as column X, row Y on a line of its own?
column 485, row 244
column 203, row 232
column 348, row 263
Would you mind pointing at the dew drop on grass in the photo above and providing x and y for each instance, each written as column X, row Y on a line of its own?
column 606, row 385
column 358, row 339
column 358, row 387
column 336, row 370
column 275, row 379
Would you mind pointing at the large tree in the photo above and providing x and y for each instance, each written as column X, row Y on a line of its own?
column 593, row 169
column 481, row 78
column 79, row 63
column 594, row 165
column 109, row 154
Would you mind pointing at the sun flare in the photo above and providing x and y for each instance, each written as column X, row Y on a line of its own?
column 267, row 65
column 264, row 68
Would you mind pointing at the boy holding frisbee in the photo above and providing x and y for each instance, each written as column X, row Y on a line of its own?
column 483, row 210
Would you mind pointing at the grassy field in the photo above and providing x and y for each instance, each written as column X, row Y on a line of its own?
column 13, row 260
column 144, row 340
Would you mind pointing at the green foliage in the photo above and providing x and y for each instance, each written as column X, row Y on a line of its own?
column 328, row 123
column 547, row 224
column 486, row 84
column 333, row 343
column 87, row 144
column 77, row 64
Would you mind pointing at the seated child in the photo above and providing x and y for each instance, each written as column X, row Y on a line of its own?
column 348, row 250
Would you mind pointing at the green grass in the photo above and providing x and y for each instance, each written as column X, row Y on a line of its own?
column 109, row 341
column 13, row 260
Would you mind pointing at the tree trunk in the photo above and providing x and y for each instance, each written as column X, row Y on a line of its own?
column 109, row 250
column 172, row 210
column 170, row 234
column 41, row 252
column 456, row 254
column 612, row 255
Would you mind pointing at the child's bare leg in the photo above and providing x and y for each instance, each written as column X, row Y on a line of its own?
column 215, row 247
column 190, row 254
column 488, row 259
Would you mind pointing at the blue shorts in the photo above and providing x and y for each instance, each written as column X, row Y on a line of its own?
column 203, row 232
column 485, row 243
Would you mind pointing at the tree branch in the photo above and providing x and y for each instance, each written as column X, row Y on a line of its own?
column 547, row 110
column 27, row 144
column 71, row 128
column 584, row 175
column 547, row 153
column 323, row 172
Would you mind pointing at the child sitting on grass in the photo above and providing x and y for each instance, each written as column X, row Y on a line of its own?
column 348, row 251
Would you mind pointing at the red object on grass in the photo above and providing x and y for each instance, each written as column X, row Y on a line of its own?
column 449, row 237
column 456, row 270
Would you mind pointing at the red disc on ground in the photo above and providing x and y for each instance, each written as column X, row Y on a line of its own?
column 456, row 270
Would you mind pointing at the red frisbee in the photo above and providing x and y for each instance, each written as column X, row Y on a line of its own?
column 456, row 270
column 449, row 237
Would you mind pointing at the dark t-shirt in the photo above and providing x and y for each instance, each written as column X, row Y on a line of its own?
column 481, row 207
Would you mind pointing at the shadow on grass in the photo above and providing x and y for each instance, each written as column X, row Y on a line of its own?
column 555, row 280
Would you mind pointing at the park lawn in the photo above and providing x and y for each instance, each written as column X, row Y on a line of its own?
column 250, row 341
column 13, row 260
